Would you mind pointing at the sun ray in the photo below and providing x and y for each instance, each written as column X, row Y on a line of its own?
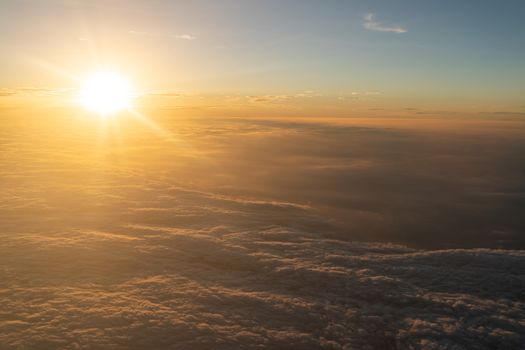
column 152, row 125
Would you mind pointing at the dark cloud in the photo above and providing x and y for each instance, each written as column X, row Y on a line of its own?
column 380, row 183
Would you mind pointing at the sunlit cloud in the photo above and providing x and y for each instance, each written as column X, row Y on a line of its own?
column 268, row 98
column 308, row 94
column 371, row 23
column 166, row 94
column 33, row 91
column 138, row 32
column 283, row 98
column 360, row 95
column 167, row 35
column 7, row 92
column 185, row 37
column 365, row 93
column 177, row 251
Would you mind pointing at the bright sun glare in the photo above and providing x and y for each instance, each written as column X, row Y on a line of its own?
column 106, row 92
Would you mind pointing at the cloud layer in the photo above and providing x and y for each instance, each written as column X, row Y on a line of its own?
column 121, row 239
column 371, row 23
column 218, row 273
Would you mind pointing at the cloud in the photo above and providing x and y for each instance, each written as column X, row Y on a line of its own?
column 166, row 35
column 147, row 245
column 8, row 92
column 185, row 37
column 371, row 23
column 245, row 284
column 365, row 93
column 34, row 91
column 308, row 94
column 166, row 93
column 283, row 98
column 269, row 98
column 139, row 32
column 359, row 95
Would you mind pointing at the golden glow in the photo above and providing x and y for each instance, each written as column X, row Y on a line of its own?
column 106, row 92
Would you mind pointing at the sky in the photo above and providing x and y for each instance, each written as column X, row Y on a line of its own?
column 403, row 53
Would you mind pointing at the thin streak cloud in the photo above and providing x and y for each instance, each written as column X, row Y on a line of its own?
column 175, row 36
column 185, row 37
column 371, row 23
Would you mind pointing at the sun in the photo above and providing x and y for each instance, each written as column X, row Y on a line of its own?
column 106, row 92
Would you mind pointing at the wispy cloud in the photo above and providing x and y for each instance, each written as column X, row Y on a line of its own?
column 359, row 95
column 185, row 37
column 371, row 23
column 365, row 93
column 138, row 32
column 7, row 92
column 35, row 91
column 283, row 98
column 269, row 98
column 175, row 36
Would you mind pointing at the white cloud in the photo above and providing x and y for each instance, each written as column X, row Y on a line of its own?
column 365, row 93
column 185, row 37
column 167, row 35
column 269, row 98
column 138, row 32
column 34, row 91
column 371, row 23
